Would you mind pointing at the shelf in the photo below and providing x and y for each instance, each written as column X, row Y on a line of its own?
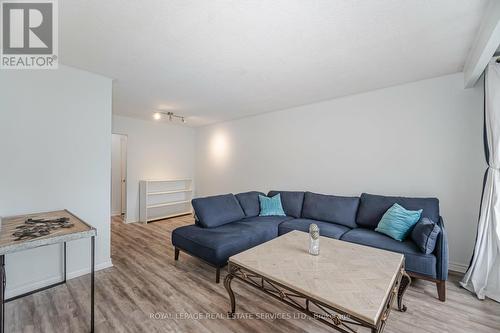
column 169, row 192
column 164, row 198
column 168, row 216
column 167, row 181
column 169, row 204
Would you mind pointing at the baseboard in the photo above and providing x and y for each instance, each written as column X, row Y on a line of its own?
column 117, row 213
column 40, row 284
column 457, row 267
column 98, row 267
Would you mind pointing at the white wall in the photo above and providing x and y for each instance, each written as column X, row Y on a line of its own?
column 417, row 139
column 55, row 150
column 155, row 150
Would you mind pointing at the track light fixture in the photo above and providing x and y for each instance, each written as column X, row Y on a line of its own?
column 171, row 116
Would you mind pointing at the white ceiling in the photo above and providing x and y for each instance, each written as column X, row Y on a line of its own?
column 214, row 60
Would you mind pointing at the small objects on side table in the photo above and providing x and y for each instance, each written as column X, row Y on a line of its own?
column 38, row 227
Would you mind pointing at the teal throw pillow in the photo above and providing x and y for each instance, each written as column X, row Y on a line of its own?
column 398, row 222
column 271, row 206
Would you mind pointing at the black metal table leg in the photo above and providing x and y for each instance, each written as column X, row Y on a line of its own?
column 64, row 258
column 2, row 293
column 92, row 268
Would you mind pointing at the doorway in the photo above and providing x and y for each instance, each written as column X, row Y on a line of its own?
column 119, row 175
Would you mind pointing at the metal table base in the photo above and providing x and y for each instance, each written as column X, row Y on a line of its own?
column 3, row 279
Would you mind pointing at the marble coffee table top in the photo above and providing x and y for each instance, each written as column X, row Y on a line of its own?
column 8, row 244
column 353, row 278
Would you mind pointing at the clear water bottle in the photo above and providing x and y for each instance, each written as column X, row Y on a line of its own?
column 313, row 239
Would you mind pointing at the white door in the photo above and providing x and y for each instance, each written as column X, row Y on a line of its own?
column 123, row 163
column 118, row 174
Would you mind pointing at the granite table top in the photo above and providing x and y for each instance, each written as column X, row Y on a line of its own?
column 8, row 244
column 354, row 278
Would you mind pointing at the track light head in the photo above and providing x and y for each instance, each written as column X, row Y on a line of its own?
column 160, row 115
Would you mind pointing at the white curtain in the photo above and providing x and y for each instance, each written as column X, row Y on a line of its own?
column 483, row 275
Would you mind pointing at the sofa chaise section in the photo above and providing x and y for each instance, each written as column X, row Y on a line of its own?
column 216, row 245
column 215, row 237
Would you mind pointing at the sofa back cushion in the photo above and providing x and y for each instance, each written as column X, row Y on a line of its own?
column 217, row 210
column 249, row 201
column 291, row 200
column 372, row 208
column 331, row 208
column 425, row 234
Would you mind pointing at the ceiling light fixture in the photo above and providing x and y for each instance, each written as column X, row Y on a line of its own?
column 171, row 116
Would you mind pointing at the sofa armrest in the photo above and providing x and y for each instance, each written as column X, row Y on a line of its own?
column 441, row 252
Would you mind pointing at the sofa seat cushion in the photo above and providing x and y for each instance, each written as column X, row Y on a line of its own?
column 291, row 201
column 326, row 229
column 373, row 207
column 216, row 245
column 265, row 224
column 249, row 201
column 415, row 260
column 217, row 210
column 331, row 208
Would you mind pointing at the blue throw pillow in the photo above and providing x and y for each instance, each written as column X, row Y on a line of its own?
column 397, row 222
column 425, row 234
column 271, row 206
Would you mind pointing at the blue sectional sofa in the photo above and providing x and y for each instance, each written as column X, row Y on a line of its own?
column 228, row 224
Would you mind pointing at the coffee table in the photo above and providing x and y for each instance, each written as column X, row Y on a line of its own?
column 347, row 287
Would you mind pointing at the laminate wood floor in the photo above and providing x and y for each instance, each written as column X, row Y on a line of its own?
column 147, row 291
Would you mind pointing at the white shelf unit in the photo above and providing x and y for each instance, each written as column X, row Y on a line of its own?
column 164, row 198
